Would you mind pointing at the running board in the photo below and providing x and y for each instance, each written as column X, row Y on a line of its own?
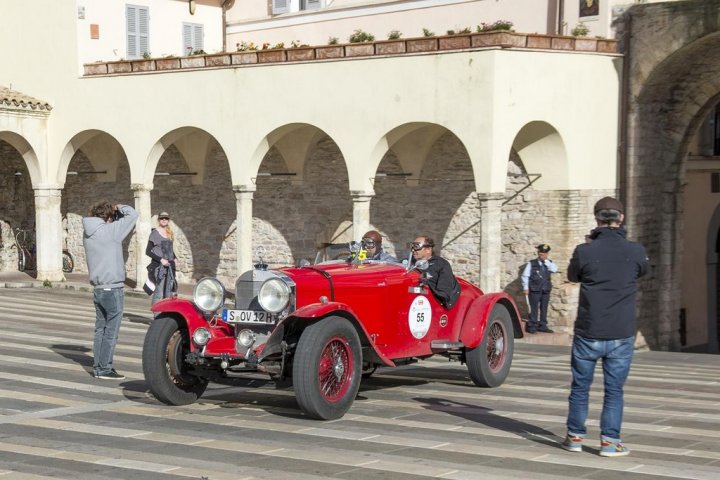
column 445, row 345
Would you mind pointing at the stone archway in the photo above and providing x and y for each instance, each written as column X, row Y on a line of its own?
column 671, row 85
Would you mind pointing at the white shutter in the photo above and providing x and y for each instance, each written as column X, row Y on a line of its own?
column 131, row 22
column 143, row 31
column 280, row 6
column 138, row 38
column 198, row 37
column 187, row 39
column 313, row 4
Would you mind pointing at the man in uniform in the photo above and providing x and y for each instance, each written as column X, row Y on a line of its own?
column 536, row 286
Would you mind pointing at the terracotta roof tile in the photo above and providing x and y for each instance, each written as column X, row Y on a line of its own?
column 13, row 98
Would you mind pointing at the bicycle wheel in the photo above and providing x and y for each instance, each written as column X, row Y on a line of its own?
column 22, row 260
column 68, row 263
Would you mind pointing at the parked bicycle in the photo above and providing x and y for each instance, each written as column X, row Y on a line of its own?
column 26, row 253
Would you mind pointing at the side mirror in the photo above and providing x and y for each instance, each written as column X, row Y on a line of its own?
column 422, row 265
column 304, row 262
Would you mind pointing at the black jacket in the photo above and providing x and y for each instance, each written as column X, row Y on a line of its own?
column 608, row 268
column 442, row 281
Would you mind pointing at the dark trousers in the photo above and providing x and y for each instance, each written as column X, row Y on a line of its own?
column 538, row 310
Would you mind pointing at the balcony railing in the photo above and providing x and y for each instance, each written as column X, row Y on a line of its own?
column 409, row 46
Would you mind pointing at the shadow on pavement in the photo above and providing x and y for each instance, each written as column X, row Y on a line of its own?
column 485, row 416
column 77, row 353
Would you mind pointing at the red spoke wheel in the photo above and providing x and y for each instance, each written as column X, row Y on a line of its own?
column 327, row 368
column 489, row 363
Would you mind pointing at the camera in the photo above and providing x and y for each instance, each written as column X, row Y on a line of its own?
column 117, row 215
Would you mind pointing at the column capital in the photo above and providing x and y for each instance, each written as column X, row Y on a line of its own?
column 490, row 196
column 47, row 191
column 360, row 196
column 141, row 187
column 243, row 188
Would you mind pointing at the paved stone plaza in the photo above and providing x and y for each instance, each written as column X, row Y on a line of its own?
column 420, row 421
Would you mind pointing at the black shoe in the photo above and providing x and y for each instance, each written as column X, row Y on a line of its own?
column 545, row 330
column 113, row 375
column 530, row 330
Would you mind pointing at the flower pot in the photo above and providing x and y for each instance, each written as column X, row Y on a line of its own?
column 300, row 53
column 95, row 68
column 359, row 49
column 271, row 56
column 244, row 58
column 390, row 47
column 607, row 46
column 192, row 62
column 539, row 41
column 217, row 60
column 563, row 43
column 330, row 51
column 143, row 65
column 429, row 44
column 119, row 67
column 167, row 63
column 454, row 42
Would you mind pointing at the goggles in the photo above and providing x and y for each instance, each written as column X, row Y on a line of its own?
column 368, row 242
column 416, row 246
column 163, row 218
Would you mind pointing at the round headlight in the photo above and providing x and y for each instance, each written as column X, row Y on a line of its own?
column 274, row 295
column 246, row 338
column 201, row 336
column 209, row 294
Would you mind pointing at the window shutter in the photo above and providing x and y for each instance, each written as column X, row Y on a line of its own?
column 280, row 6
column 313, row 4
column 198, row 37
column 138, row 39
column 187, row 39
column 131, row 22
column 143, row 31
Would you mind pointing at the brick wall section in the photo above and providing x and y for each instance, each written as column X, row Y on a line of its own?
column 666, row 101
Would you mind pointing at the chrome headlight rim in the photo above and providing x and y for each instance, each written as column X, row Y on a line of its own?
column 201, row 336
column 274, row 301
column 202, row 288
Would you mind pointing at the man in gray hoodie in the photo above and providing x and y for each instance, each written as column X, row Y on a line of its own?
column 104, row 231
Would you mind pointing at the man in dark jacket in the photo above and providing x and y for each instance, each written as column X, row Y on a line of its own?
column 608, row 267
column 439, row 274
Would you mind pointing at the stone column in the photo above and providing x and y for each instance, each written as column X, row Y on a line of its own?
column 361, row 214
column 490, row 205
column 243, row 228
column 48, row 234
column 143, row 206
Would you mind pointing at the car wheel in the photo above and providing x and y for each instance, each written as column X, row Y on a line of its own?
column 489, row 362
column 164, row 364
column 327, row 368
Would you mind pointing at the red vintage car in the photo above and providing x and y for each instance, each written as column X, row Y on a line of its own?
column 324, row 327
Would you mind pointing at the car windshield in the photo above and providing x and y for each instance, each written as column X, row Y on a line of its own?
column 332, row 252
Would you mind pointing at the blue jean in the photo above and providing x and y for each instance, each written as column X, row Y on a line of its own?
column 109, row 304
column 616, row 356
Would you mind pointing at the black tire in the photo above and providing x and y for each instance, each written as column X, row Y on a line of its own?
column 166, row 372
column 22, row 260
column 327, row 368
column 489, row 363
column 67, row 262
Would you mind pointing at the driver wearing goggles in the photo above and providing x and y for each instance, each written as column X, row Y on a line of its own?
column 372, row 243
column 439, row 275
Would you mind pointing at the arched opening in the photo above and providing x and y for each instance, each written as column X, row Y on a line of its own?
column 424, row 184
column 96, row 169
column 191, row 181
column 17, row 201
column 302, row 198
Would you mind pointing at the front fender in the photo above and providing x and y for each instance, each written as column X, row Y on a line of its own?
column 312, row 313
column 184, row 311
column 475, row 320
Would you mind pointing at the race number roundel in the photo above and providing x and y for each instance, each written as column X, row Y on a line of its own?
column 420, row 316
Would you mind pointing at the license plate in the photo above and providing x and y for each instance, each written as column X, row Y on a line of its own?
column 248, row 316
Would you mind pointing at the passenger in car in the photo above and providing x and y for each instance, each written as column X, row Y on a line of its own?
column 439, row 274
column 372, row 243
